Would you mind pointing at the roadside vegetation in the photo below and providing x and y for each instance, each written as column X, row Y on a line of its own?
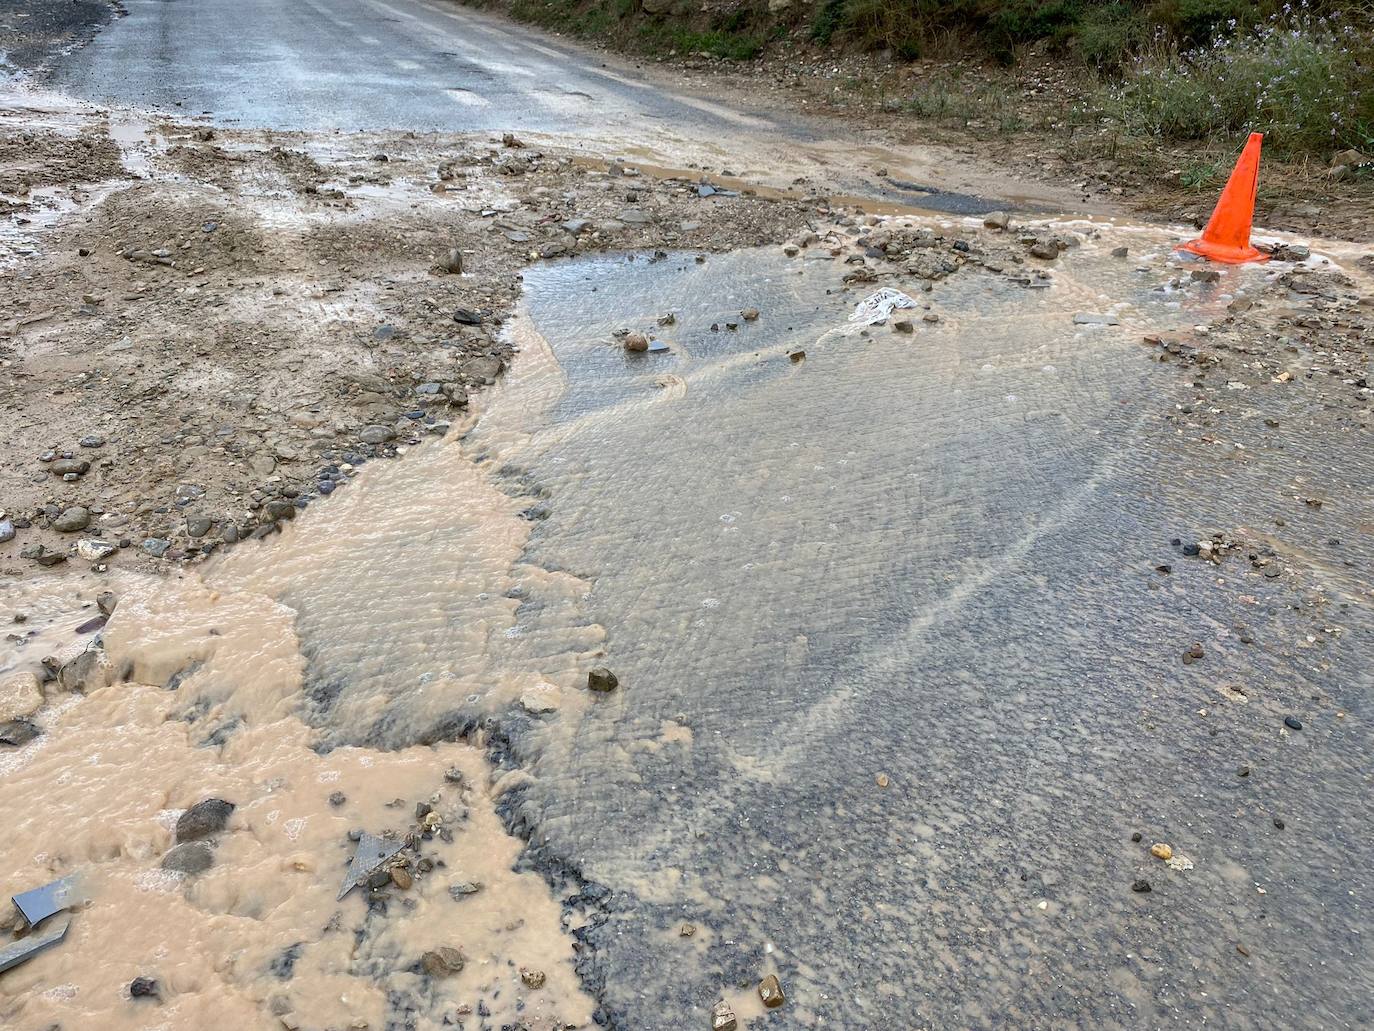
column 1167, row 70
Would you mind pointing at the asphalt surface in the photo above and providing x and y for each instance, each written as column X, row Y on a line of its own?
column 434, row 65
column 369, row 65
column 900, row 675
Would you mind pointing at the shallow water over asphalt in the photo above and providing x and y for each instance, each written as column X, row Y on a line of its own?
column 898, row 676
column 898, row 680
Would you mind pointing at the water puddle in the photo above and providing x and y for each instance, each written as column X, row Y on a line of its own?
column 867, row 736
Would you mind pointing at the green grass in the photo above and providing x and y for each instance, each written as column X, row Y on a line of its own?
column 1172, row 70
column 1307, row 83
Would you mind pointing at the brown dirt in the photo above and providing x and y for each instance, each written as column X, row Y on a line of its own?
column 1022, row 123
column 230, row 312
column 1022, row 119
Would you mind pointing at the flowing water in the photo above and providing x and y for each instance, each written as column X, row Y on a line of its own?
column 897, row 682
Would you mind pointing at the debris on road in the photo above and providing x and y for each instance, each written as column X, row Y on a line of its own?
column 878, row 307
column 37, row 904
column 26, row 948
column 371, row 854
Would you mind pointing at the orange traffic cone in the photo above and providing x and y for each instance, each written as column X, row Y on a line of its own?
column 1227, row 236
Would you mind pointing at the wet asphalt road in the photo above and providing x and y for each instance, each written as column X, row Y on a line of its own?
column 434, row 65
column 931, row 559
column 370, row 65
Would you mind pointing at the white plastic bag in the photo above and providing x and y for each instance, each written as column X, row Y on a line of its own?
column 877, row 308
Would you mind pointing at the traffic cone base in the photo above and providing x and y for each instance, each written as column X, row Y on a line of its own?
column 1227, row 236
column 1222, row 253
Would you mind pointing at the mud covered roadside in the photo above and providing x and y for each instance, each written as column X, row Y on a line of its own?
column 32, row 31
column 203, row 331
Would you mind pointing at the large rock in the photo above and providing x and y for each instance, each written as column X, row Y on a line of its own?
column 17, row 732
column 21, row 694
column 72, row 520
column 203, row 819
column 190, row 858
column 89, row 671
column 93, row 550
column 69, row 467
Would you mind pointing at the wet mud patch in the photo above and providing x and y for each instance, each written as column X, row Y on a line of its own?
column 202, row 911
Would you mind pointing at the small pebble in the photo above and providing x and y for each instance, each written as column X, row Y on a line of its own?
column 770, row 991
column 1141, row 885
column 1292, row 723
column 532, row 978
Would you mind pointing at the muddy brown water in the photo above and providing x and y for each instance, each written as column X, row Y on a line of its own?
column 923, row 560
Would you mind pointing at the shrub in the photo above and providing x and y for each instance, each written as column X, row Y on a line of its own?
column 1304, row 81
column 1110, row 33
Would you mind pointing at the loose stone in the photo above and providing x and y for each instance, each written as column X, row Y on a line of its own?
column 442, row 962
column 533, row 979
column 203, row 819
column 602, row 679
column 770, row 991
column 193, row 857
column 72, row 519
column 723, row 1018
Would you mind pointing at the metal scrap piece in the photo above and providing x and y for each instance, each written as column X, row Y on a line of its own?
column 37, row 904
column 372, row 852
column 27, row 948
